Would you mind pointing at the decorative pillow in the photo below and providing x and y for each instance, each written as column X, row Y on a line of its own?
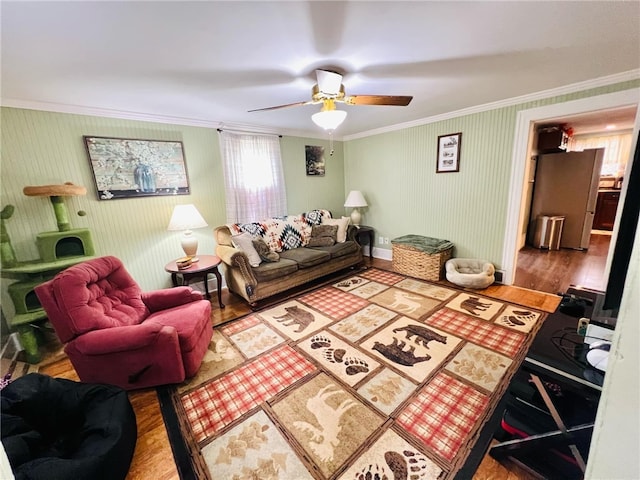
column 244, row 242
column 342, row 224
column 321, row 242
column 323, row 235
column 263, row 250
column 324, row 231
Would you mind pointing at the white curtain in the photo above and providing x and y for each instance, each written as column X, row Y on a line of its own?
column 253, row 177
column 617, row 149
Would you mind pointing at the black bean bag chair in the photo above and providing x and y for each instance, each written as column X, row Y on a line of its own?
column 53, row 428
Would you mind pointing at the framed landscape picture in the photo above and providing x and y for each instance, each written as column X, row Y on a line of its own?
column 314, row 157
column 126, row 167
column 449, row 153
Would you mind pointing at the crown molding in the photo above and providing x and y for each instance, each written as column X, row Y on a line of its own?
column 106, row 112
column 193, row 122
column 154, row 118
column 530, row 97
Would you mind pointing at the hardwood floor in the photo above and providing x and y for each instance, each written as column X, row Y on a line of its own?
column 153, row 457
column 554, row 271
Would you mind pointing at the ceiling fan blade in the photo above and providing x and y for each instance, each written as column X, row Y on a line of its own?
column 297, row 104
column 397, row 100
column 329, row 82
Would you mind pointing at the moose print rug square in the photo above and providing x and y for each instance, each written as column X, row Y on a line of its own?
column 376, row 376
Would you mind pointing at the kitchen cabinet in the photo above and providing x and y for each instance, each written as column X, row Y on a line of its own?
column 606, row 207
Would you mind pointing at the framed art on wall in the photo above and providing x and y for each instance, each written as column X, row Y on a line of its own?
column 449, row 153
column 314, row 159
column 126, row 167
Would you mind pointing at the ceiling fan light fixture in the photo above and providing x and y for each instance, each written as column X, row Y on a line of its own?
column 329, row 119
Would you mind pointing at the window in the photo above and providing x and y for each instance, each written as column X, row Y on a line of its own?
column 253, row 177
column 617, row 150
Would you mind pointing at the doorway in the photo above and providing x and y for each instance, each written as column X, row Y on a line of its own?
column 523, row 270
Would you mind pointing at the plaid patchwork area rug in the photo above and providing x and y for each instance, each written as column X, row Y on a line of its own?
column 376, row 376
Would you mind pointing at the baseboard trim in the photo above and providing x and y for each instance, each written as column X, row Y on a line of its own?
column 382, row 253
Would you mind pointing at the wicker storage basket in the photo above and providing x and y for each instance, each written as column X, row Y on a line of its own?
column 412, row 256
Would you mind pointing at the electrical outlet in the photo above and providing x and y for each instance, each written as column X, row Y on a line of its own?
column 381, row 240
column 386, row 240
column 499, row 276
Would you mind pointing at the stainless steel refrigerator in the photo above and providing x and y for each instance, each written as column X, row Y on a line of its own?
column 566, row 184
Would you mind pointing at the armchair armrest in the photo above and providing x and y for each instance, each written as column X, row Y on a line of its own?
column 169, row 297
column 230, row 255
column 236, row 258
column 123, row 339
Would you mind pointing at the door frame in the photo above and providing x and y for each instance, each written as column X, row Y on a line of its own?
column 522, row 148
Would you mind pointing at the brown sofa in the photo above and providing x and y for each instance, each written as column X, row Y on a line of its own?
column 294, row 268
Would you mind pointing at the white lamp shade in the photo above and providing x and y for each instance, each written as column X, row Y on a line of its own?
column 355, row 199
column 186, row 217
column 329, row 119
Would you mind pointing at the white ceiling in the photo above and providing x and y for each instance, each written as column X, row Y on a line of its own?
column 212, row 61
column 612, row 120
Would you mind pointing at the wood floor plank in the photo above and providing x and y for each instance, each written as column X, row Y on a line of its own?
column 546, row 302
column 491, row 469
column 554, row 271
column 152, row 457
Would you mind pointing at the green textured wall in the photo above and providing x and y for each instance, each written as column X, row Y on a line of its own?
column 41, row 148
column 395, row 170
column 308, row 192
column 397, row 173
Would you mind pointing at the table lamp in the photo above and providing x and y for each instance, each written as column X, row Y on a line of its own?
column 356, row 200
column 187, row 217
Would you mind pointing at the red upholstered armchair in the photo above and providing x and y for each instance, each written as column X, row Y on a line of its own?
column 117, row 334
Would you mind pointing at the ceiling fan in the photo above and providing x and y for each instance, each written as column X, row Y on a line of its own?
column 329, row 90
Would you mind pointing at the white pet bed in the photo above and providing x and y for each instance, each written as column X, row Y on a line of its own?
column 470, row 272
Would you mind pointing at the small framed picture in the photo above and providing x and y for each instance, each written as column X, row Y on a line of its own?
column 449, row 153
column 314, row 157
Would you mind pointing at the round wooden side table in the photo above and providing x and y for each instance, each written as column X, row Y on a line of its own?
column 201, row 270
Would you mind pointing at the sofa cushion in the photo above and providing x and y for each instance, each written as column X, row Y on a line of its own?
column 269, row 271
column 323, row 235
column 339, row 249
column 324, row 231
column 321, row 242
column 306, row 257
column 244, row 242
column 263, row 250
column 342, row 223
